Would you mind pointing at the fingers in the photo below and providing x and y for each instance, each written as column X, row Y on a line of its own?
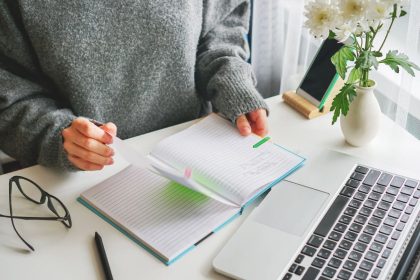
column 84, row 165
column 86, row 144
column 255, row 122
column 243, row 125
column 90, row 130
column 87, row 155
column 259, row 123
column 110, row 128
column 75, row 137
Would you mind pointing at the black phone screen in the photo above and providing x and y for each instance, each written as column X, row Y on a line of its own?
column 322, row 71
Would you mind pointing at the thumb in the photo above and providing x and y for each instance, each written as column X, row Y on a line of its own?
column 243, row 125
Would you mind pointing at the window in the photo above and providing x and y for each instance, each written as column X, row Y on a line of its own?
column 283, row 48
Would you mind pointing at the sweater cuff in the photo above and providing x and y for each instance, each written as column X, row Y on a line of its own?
column 236, row 94
column 63, row 160
column 53, row 154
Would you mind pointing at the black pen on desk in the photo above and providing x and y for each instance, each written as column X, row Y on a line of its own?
column 102, row 255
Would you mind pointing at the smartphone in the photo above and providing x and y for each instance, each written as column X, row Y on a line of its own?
column 321, row 75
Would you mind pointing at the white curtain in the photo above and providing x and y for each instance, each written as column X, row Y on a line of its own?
column 399, row 95
column 282, row 49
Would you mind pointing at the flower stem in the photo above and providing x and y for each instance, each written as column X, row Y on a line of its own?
column 364, row 81
column 389, row 28
column 374, row 35
column 367, row 41
column 358, row 46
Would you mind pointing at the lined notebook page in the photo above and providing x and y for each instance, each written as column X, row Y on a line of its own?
column 165, row 216
column 223, row 160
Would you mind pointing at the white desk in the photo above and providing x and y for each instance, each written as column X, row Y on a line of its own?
column 71, row 254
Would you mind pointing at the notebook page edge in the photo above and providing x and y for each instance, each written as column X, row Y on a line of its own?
column 133, row 233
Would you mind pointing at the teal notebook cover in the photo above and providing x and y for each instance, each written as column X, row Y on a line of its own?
column 144, row 246
column 169, row 262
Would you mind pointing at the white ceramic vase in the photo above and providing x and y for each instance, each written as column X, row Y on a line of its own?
column 363, row 119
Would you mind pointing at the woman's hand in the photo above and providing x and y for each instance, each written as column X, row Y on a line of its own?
column 255, row 121
column 87, row 144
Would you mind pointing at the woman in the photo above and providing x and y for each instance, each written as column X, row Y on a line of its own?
column 135, row 65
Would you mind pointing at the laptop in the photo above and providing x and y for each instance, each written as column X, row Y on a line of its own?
column 338, row 217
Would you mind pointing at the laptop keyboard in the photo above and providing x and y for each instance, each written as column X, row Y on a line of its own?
column 360, row 229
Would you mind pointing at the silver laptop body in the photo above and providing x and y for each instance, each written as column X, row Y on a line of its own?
column 272, row 243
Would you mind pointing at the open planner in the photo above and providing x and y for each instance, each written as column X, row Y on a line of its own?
column 198, row 180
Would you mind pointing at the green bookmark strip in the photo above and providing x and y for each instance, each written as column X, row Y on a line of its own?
column 262, row 141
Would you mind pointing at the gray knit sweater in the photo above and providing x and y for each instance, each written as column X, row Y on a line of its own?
column 142, row 64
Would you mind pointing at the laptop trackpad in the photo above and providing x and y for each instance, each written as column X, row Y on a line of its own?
column 290, row 207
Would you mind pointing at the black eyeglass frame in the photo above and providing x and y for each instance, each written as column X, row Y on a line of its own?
column 45, row 196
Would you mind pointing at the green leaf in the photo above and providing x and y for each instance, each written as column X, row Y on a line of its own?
column 340, row 59
column 403, row 13
column 373, row 61
column 331, row 35
column 342, row 100
column 363, row 61
column 367, row 59
column 376, row 54
column 354, row 76
column 395, row 60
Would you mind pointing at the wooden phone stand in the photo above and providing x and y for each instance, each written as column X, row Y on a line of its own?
column 305, row 107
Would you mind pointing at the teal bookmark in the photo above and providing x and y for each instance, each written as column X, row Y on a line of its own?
column 262, row 141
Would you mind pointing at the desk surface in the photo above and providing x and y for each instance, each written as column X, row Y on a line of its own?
column 71, row 254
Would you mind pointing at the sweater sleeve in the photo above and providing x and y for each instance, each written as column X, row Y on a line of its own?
column 31, row 118
column 222, row 74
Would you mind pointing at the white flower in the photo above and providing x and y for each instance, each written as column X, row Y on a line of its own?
column 362, row 26
column 379, row 10
column 322, row 17
column 354, row 10
column 343, row 32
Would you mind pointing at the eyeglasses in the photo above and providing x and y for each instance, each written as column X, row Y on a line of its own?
column 33, row 192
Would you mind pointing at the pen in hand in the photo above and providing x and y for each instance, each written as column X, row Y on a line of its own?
column 87, row 145
column 102, row 255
